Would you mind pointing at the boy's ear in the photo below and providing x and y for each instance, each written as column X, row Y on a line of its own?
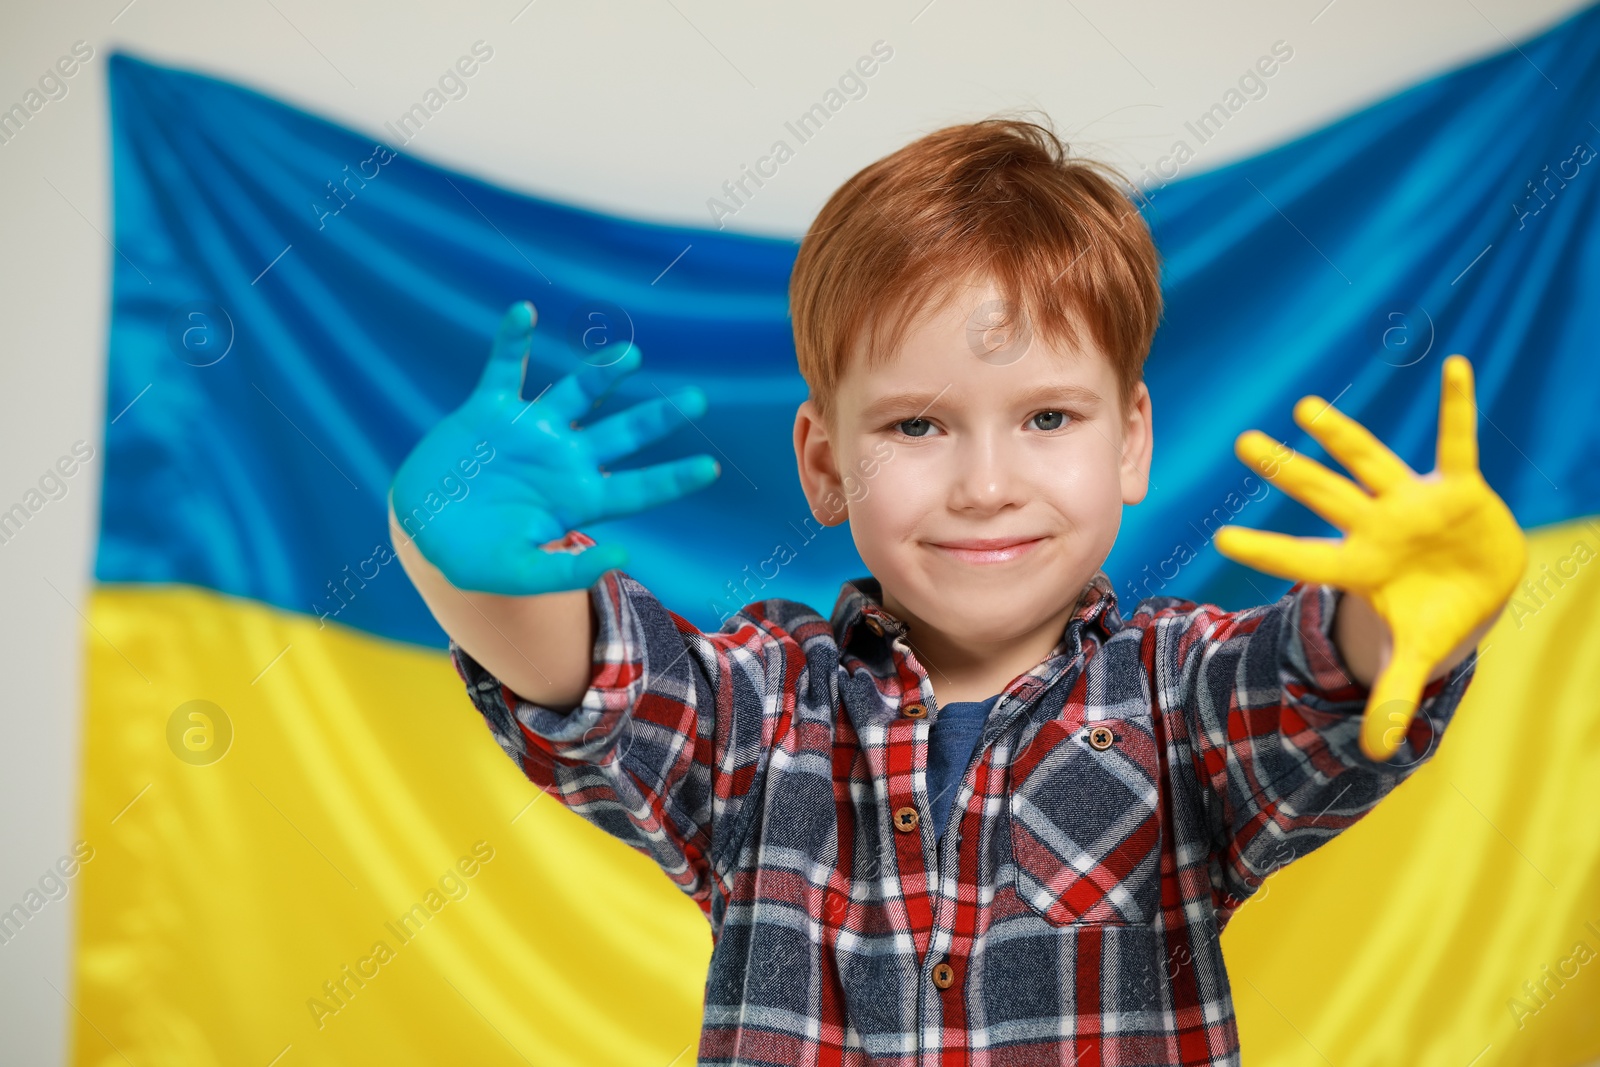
column 1138, row 441
column 819, row 472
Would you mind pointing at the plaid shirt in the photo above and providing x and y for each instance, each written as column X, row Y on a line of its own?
column 1127, row 795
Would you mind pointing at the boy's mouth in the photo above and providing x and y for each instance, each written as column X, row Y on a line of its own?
column 987, row 549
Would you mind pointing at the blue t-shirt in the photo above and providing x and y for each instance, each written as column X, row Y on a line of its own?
column 952, row 738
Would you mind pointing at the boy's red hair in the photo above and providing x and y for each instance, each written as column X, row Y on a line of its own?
column 999, row 199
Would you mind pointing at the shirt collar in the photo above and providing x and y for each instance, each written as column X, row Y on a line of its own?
column 860, row 608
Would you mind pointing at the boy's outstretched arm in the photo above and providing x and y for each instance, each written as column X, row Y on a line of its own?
column 620, row 709
column 548, row 660
column 482, row 509
column 1430, row 560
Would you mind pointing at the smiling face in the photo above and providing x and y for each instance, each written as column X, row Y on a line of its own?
column 985, row 486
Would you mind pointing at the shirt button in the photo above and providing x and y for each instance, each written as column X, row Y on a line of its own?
column 1100, row 737
column 874, row 625
column 915, row 711
column 944, row 975
column 905, row 819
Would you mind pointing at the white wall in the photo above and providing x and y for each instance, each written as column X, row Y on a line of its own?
column 642, row 109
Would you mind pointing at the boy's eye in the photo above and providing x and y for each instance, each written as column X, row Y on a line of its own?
column 1050, row 420
column 914, row 427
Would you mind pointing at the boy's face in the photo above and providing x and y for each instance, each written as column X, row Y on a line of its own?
column 984, row 486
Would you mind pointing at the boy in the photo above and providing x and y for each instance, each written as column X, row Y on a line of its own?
column 977, row 815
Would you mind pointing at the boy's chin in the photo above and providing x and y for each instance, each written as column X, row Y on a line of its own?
column 988, row 619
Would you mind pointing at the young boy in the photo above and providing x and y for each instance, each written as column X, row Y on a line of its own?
column 977, row 815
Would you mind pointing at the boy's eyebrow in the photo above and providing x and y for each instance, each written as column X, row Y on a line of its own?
column 921, row 401
column 1071, row 394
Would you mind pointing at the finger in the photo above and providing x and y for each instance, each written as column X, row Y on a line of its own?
column 626, row 492
column 576, row 394
column 1352, row 444
column 1308, row 559
column 1333, row 496
column 585, row 568
column 1458, row 419
column 548, row 572
column 628, row 431
column 1392, row 704
column 589, row 565
column 508, row 356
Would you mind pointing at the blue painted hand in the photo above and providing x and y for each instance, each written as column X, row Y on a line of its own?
column 513, row 532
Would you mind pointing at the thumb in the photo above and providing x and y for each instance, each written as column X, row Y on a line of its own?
column 549, row 572
column 1396, row 694
column 591, row 563
column 504, row 370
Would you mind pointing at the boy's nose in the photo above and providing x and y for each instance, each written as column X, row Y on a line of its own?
column 986, row 476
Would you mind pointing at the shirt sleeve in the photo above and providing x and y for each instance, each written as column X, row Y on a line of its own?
column 1274, row 722
column 667, row 740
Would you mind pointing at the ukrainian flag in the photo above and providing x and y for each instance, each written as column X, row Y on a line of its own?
column 302, row 845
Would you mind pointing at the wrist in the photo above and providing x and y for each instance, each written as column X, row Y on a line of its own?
column 1360, row 636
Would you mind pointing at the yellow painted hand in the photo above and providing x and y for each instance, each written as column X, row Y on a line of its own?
column 1435, row 555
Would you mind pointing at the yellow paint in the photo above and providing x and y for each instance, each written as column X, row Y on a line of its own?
column 1435, row 556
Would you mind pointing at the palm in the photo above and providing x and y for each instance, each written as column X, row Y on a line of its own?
column 543, row 476
column 1435, row 555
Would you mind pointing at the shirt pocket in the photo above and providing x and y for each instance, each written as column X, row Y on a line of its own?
column 1085, row 822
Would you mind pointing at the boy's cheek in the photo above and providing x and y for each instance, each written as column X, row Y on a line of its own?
column 870, row 465
column 898, row 494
